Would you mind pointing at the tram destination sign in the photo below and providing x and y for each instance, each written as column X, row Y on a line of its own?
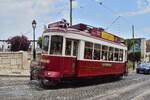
column 105, row 35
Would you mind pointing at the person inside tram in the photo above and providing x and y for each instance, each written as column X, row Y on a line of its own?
column 57, row 49
column 116, row 58
column 96, row 55
column 104, row 56
column 88, row 55
column 68, row 49
column 110, row 56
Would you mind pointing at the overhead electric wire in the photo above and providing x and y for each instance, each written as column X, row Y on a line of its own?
column 120, row 16
column 112, row 23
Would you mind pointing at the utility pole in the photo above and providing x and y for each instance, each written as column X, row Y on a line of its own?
column 133, row 40
column 71, row 12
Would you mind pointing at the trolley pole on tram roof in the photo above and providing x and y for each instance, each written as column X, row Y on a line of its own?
column 133, row 46
column 71, row 12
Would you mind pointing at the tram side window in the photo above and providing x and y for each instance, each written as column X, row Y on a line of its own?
column 46, row 43
column 68, row 47
column 110, row 54
column 88, row 50
column 116, row 56
column 121, row 55
column 75, row 48
column 104, row 52
column 97, row 49
column 56, row 45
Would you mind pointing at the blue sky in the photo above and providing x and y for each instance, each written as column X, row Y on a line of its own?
column 17, row 15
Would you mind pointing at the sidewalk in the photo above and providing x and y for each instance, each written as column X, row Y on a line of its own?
column 131, row 70
column 15, row 72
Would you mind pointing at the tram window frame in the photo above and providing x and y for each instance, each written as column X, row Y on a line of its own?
column 75, row 47
column 58, row 45
column 116, row 54
column 111, row 54
column 68, row 47
column 46, row 43
column 120, row 54
column 104, row 55
column 97, row 52
column 88, row 50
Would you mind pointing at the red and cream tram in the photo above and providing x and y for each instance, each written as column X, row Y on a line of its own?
column 80, row 51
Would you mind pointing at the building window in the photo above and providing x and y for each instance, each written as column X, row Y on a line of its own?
column 110, row 53
column 46, row 43
column 88, row 50
column 121, row 55
column 104, row 52
column 116, row 56
column 97, row 50
column 68, row 47
column 56, row 45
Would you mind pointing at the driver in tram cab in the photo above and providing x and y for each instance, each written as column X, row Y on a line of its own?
column 57, row 49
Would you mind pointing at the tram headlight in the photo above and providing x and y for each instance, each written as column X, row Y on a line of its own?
column 49, row 73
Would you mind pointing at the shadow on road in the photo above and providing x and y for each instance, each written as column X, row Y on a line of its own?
column 77, row 83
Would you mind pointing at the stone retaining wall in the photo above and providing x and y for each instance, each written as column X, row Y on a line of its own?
column 15, row 63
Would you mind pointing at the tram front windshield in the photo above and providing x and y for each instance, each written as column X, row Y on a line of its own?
column 56, row 45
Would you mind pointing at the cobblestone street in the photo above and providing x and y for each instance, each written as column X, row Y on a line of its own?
column 132, row 87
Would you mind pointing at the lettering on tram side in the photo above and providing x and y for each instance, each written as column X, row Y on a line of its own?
column 106, row 64
column 90, row 68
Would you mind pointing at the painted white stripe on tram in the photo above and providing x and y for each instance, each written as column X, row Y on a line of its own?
column 88, row 38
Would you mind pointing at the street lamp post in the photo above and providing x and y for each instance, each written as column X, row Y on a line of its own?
column 34, row 51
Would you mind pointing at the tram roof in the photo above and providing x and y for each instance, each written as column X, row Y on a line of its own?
column 83, row 29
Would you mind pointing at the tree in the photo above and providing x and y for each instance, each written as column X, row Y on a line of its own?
column 134, row 54
column 135, row 57
column 19, row 43
column 39, row 42
column 129, row 43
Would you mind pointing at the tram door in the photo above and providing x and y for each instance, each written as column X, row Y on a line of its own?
column 71, row 52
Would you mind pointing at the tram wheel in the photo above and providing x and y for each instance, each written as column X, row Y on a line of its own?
column 45, row 83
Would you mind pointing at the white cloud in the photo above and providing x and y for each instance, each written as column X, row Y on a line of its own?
column 143, row 8
column 141, row 4
column 16, row 15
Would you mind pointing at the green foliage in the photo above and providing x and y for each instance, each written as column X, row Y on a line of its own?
column 134, row 56
column 19, row 43
column 39, row 42
column 130, row 64
column 130, row 43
